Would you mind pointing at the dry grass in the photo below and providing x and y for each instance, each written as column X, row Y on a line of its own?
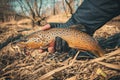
column 16, row 65
column 59, row 18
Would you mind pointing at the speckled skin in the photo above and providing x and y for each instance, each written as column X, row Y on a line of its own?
column 75, row 39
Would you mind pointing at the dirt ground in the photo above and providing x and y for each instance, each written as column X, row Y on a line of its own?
column 16, row 65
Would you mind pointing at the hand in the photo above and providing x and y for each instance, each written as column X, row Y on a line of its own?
column 61, row 45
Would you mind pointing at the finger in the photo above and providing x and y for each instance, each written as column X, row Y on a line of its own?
column 52, row 44
column 65, row 46
column 51, row 49
column 45, row 27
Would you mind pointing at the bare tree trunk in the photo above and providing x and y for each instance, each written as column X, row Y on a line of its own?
column 22, row 8
column 32, row 13
column 36, row 8
column 31, row 10
column 54, row 13
column 64, row 7
column 69, row 5
column 40, row 7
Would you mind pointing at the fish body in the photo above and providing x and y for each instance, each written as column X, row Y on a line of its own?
column 75, row 39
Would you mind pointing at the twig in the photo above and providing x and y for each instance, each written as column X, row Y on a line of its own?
column 58, row 69
column 113, row 66
column 15, row 63
column 8, row 72
column 2, row 78
column 105, row 57
column 75, row 57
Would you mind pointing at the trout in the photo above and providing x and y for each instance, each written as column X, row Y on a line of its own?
column 75, row 39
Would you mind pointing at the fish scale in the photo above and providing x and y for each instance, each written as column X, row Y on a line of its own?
column 75, row 39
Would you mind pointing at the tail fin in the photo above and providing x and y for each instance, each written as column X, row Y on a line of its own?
column 99, row 52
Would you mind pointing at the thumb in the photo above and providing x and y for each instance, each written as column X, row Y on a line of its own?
column 51, row 47
column 47, row 26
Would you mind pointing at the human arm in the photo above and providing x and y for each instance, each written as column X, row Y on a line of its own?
column 92, row 14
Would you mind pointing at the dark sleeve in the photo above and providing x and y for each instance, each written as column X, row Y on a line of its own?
column 92, row 14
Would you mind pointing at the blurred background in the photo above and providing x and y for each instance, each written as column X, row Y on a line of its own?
column 36, row 10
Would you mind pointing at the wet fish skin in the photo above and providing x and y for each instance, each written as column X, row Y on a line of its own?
column 75, row 39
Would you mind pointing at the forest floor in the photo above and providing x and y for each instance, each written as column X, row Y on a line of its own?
column 16, row 65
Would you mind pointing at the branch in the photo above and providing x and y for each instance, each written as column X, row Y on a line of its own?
column 68, row 3
column 105, row 57
column 36, row 8
column 109, row 65
column 64, row 7
column 40, row 7
column 31, row 10
column 20, row 3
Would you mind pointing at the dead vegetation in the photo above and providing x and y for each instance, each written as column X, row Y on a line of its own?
column 45, row 66
column 16, row 65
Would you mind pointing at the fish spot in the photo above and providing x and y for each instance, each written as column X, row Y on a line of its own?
column 52, row 33
column 48, row 37
column 66, row 30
